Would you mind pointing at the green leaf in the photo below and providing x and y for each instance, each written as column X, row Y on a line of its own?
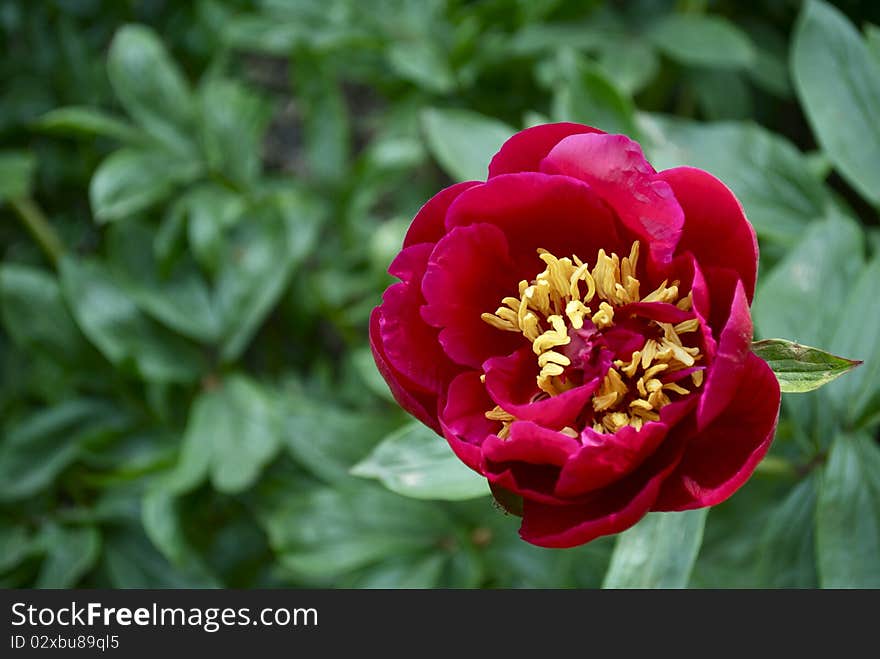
column 34, row 314
column 630, row 63
column 400, row 573
column 328, row 439
column 786, row 552
column 364, row 365
column 722, row 94
column 589, row 97
column 151, row 87
column 801, row 368
column 838, row 82
column 822, row 266
column 658, row 552
column 39, row 447
column 767, row 173
column 326, row 532
column 113, row 323
column 132, row 180
column 415, row 462
column 265, row 34
column 162, row 523
column 709, row 41
column 131, row 561
column 423, row 63
column 858, row 395
column 16, row 544
column 211, row 211
column 872, row 40
column 232, row 121
column 463, row 142
column 848, row 521
column 179, row 299
column 259, row 259
column 232, row 433
column 81, row 120
column 16, row 174
column 70, row 553
column 537, row 37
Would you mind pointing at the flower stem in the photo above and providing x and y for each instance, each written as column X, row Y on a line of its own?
column 39, row 226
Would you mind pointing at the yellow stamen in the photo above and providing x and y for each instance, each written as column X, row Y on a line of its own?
column 554, row 305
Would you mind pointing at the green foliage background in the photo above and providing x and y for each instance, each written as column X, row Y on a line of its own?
column 198, row 202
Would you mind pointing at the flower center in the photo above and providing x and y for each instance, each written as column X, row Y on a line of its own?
column 567, row 313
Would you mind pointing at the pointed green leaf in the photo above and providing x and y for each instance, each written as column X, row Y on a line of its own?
column 767, row 173
column 801, row 368
column 415, row 462
column 131, row 180
column 707, row 41
column 658, row 552
column 34, row 313
column 232, row 433
column 151, row 87
column 70, row 553
column 80, row 120
column 112, row 321
column 326, row 532
column 589, row 97
column 39, row 447
column 848, row 521
column 858, row 395
column 233, row 119
column 838, row 81
column 463, row 142
column 786, row 555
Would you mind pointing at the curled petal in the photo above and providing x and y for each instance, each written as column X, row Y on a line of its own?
column 608, row 510
column 607, row 457
column 616, row 168
column 463, row 418
column 428, row 224
column 524, row 151
column 422, row 405
column 530, row 443
column 557, row 213
column 468, row 272
column 729, row 362
column 409, row 344
column 715, row 230
column 719, row 458
column 511, row 382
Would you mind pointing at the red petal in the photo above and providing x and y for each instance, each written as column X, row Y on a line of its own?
column 463, row 418
column 605, row 458
column 662, row 312
column 614, row 166
column 410, row 345
column 727, row 367
column 560, row 214
column 532, row 444
column 428, row 224
column 511, row 382
column 421, row 405
column 721, row 457
column 524, row 151
column 609, row 510
column 468, row 273
column 715, row 229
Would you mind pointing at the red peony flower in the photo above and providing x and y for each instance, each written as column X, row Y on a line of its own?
column 577, row 328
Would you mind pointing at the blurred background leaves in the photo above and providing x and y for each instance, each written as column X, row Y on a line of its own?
column 198, row 202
